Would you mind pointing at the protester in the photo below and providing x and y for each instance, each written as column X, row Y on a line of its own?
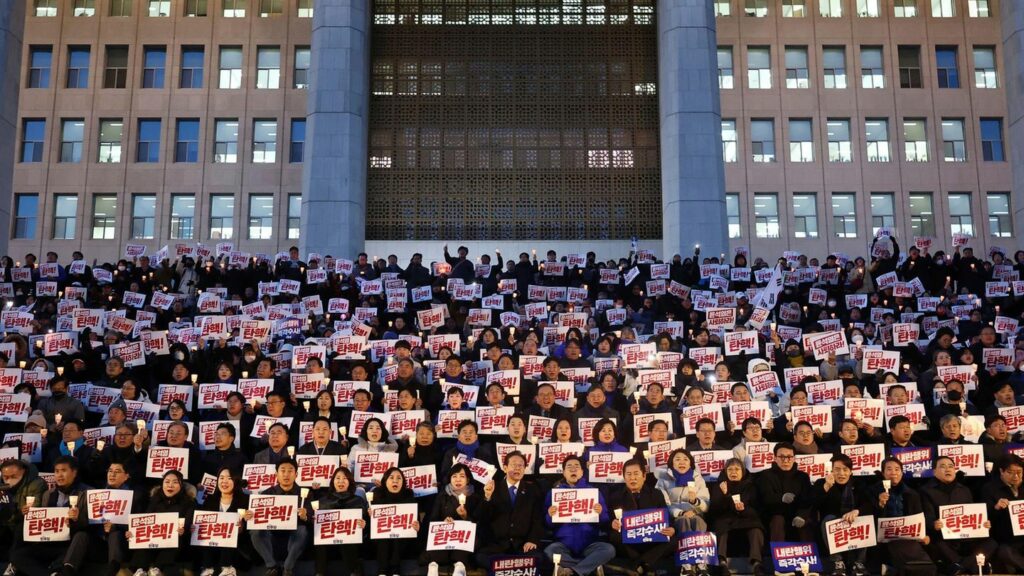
column 237, row 370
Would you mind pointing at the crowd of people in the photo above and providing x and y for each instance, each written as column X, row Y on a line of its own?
column 578, row 416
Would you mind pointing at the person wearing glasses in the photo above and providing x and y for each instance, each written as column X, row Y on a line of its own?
column 785, row 496
column 998, row 494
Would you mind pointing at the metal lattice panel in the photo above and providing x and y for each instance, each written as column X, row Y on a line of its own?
column 506, row 119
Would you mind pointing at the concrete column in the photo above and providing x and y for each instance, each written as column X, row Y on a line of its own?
column 12, row 23
column 1013, row 71
column 338, row 105
column 692, row 173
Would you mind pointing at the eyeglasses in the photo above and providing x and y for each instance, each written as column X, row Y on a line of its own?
column 780, row 457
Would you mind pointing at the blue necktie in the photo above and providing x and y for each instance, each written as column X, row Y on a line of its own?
column 512, row 494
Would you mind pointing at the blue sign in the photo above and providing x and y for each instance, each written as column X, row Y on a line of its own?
column 697, row 548
column 641, row 526
column 790, row 556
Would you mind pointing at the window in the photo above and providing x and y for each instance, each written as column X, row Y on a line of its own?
column 302, row 54
column 831, row 8
column 33, row 138
column 143, row 217
column 868, row 8
column 85, row 8
column 756, row 8
column 794, row 8
column 960, row 219
column 978, row 9
column 294, row 216
column 732, row 211
column 40, row 59
column 725, row 67
column 65, row 217
column 915, row 140
column 910, row 66
column 953, row 146
column 186, row 143
column 222, row 216
column 268, row 68
column 766, row 215
column 729, row 141
column 985, row 67
column 110, row 141
column 149, row 140
column 999, row 222
column 905, row 8
column 183, row 210
column 946, row 67
column 723, row 8
column 992, row 140
column 796, row 67
column 805, row 215
column 230, row 67
column 26, row 210
column 876, row 132
column 195, row 8
column 72, row 134
column 120, row 8
column 78, row 67
column 844, row 215
column 298, row 142
column 922, row 218
column 762, row 139
column 840, row 148
column 943, row 8
column 264, row 141
column 45, row 8
column 154, row 62
column 305, row 9
column 115, row 75
column 834, row 58
column 801, row 142
column 883, row 211
column 233, row 8
column 192, row 67
column 261, row 216
column 159, row 8
column 270, row 8
column 872, row 67
column 104, row 217
column 759, row 67
column 225, row 150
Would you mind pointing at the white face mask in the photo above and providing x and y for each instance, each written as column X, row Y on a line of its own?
column 857, row 339
column 250, row 358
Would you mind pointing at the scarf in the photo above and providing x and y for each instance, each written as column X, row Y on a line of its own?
column 64, row 446
column 451, row 491
column 894, row 507
column 468, row 449
column 682, row 479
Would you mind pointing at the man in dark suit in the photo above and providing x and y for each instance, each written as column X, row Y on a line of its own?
column 511, row 514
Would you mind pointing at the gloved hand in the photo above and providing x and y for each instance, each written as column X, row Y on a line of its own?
column 799, row 522
column 788, row 498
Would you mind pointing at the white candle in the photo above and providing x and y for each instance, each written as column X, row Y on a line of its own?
column 305, row 405
column 343, row 431
column 291, row 451
column 304, row 493
column 315, row 504
column 462, row 499
column 100, row 444
column 181, row 523
column 241, row 513
column 73, row 500
column 57, row 418
column 71, row 448
column 618, row 513
column 30, row 501
column 887, row 484
column 735, row 498
column 369, row 497
column 140, row 424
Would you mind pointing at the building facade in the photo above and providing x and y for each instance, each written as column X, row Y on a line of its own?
column 513, row 124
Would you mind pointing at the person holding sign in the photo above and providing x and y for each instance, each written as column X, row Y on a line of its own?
column 118, row 478
column 998, row 494
column 510, row 514
column 173, row 495
column 50, row 557
column 226, row 497
column 836, row 496
column 578, row 545
column 391, row 552
column 892, row 498
column 340, row 494
column 295, row 542
column 944, row 489
column 224, row 453
column 458, row 501
column 687, row 492
column 638, row 494
column 733, row 508
column 20, row 483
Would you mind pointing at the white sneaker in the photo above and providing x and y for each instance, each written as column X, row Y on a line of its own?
column 154, row 571
column 11, row 570
column 432, row 570
column 228, row 571
column 140, row 572
column 459, row 570
column 206, row 572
